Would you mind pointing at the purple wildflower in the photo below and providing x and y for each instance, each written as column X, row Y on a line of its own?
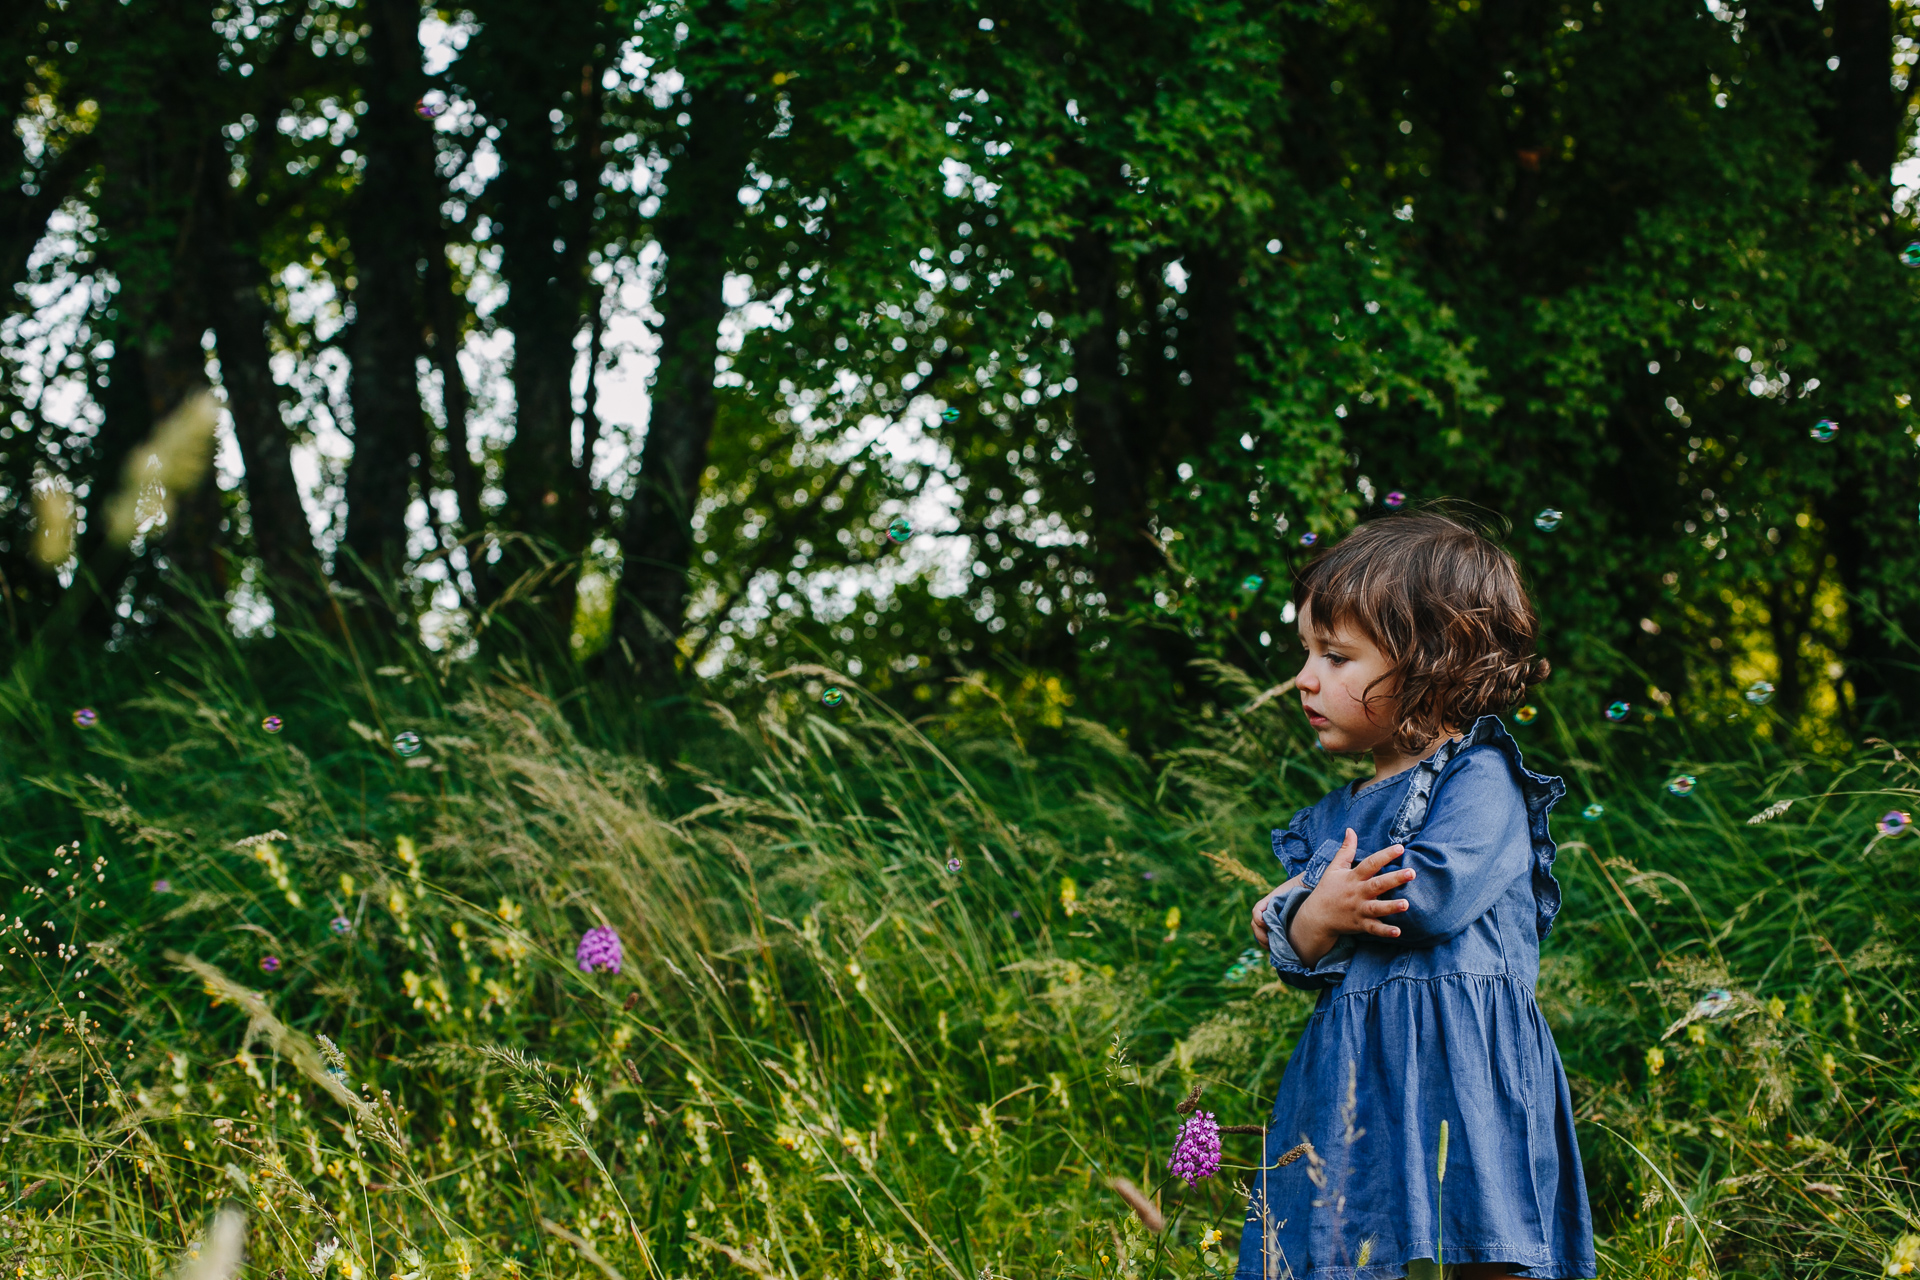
column 1196, row 1152
column 599, row 949
column 163, row 886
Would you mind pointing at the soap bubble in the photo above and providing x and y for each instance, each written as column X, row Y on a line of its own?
column 1308, row 538
column 1394, row 500
column 1619, row 711
column 1824, row 430
column 1715, row 1002
column 86, row 717
column 431, row 107
column 406, row 744
column 953, row 864
column 1252, row 582
column 1682, row 785
column 340, row 925
column 1526, row 714
column 1243, row 966
column 1893, row 822
column 1759, row 693
column 1594, row 812
column 269, row 964
column 1547, row 521
column 949, row 414
column 271, row 724
column 1911, row 254
column 832, row 698
column 899, row 529
column 163, row 886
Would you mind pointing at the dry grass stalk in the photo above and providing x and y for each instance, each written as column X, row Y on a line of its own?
column 1144, row 1209
column 1232, row 868
column 583, row 1246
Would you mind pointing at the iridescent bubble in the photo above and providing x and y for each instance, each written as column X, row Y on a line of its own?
column 1394, row 500
column 1547, row 520
column 1893, row 822
column 1619, row 711
column 1594, row 812
column 1759, row 693
column 953, row 864
column 406, row 744
column 1824, row 430
column 163, row 886
column 1911, row 254
column 1526, row 714
column 899, row 529
column 1252, row 582
column 832, row 698
column 271, row 724
column 269, row 964
column 949, row 414
column 1308, row 538
column 86, row 717
column 1682, row 784
column 430, row 107
column 1242, row 966
column 340, row 925
column 1716, row 1001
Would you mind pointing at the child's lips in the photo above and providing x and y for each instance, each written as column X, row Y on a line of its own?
column 1314, row 718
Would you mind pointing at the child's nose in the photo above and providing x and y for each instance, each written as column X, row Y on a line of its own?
column 1306, row 681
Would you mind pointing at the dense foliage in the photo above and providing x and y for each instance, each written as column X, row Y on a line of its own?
column 1120, row 301
column 892, row 1001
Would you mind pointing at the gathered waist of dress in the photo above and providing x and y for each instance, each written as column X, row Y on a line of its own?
column 1431, row 985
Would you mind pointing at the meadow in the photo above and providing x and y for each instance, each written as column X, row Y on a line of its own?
column 895, row 997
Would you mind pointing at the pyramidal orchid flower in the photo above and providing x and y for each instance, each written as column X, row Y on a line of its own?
column 599, row 949
column 1196, row 1152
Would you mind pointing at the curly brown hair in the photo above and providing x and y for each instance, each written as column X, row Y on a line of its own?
column 1447, row 608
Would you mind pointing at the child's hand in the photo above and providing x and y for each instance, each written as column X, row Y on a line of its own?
column 1347, row 900
column 1260, row 912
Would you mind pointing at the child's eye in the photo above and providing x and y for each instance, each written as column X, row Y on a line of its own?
column 1337, row 659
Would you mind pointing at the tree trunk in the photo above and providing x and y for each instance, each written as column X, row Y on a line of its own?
column 694, row 232
column 1102, row 421
column 1862, row 121
column 448, row 312
column 544, row 208
column 239, row 316
column 387, row 232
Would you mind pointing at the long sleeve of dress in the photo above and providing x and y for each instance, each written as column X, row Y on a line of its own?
column 1286, row 961
column 1472, row 847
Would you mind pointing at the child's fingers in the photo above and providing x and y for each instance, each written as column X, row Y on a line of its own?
column 1379, row 930
column 1391, row 907
column 1374, row 861
column 1385, row 881
column 1344, row 858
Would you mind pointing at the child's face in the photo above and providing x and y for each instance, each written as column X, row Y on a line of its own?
column 1333, row 688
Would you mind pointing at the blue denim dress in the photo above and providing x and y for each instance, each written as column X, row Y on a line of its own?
column 1437, row 1024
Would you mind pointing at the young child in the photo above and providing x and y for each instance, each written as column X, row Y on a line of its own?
column 1418, row 633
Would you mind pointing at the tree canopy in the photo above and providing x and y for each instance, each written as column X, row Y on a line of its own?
column 1120, row 306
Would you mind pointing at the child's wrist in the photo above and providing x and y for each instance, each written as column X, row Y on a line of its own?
column 1311, row 936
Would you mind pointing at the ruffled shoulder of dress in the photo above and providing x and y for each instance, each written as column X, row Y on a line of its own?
column 1538, row 791
column 1292, row 846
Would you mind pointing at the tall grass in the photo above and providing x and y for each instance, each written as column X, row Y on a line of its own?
column 898, row 998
